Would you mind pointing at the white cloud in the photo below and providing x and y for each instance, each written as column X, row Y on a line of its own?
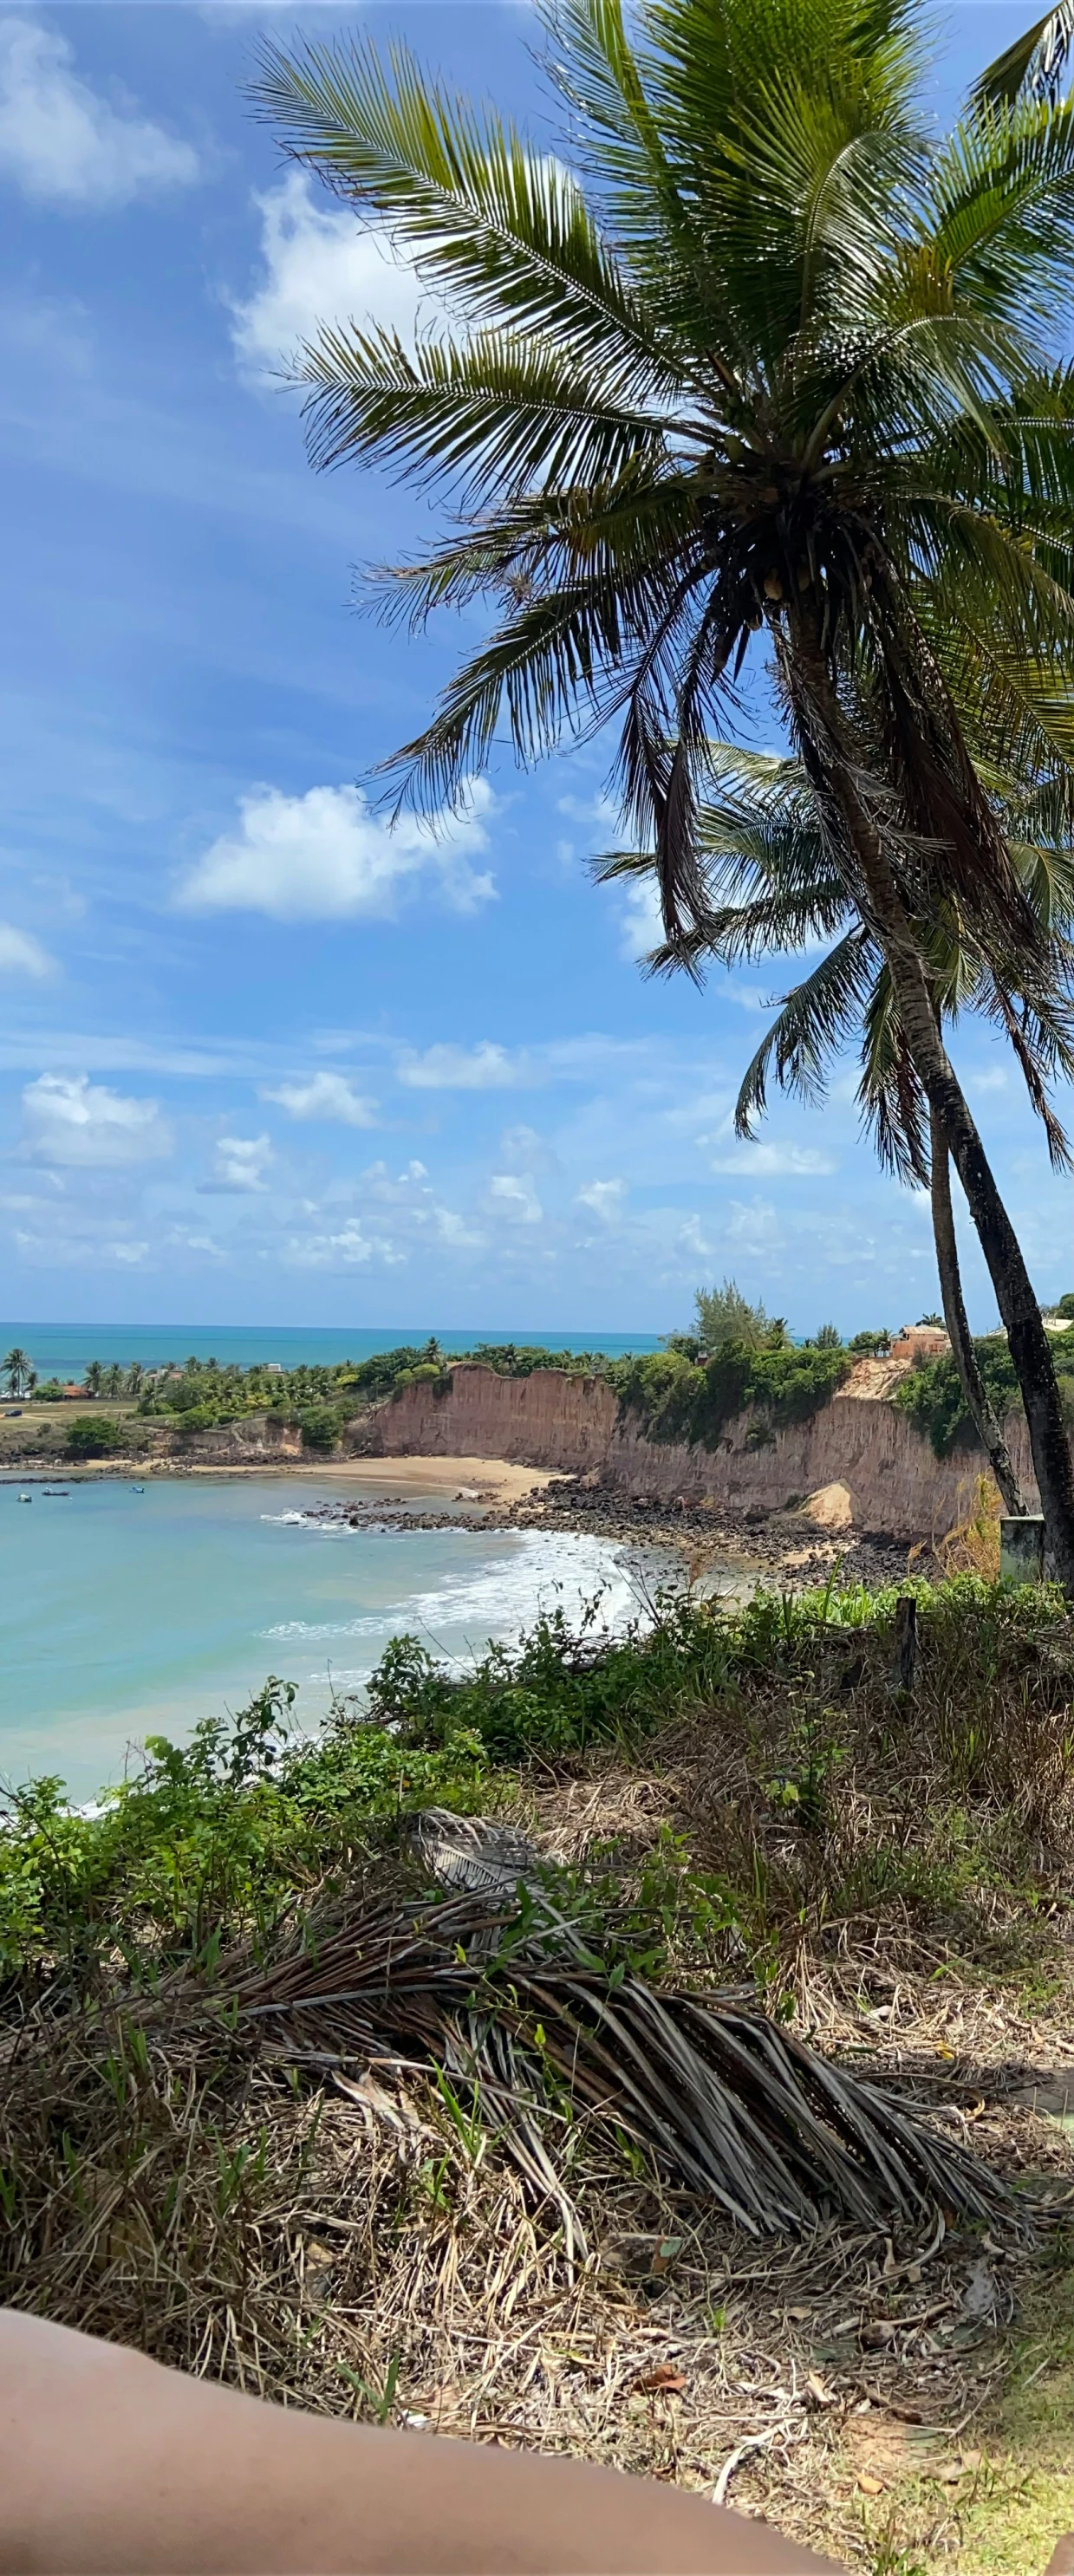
column 327, row 1096
column 754, row 1227
column 65, row 145
column 515, row 1199
column 72, row 1121
column 453, row 1230
column 83, row 1251
column 350, row 1249
column 454, row 1068
column 320, row 264
column 521, row 1149
column 605, row 1198
column 642, row 919
column 325, row 857
column 21, row 954
column 777, row 1162
column 994, row 1081
column 240, row 1164
column 184, row 1239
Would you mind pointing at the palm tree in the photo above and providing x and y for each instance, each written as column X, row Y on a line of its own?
column 94, row 1378
column 1033, row 66
column 770, row 890
column 17, row 1370
column 785, row 375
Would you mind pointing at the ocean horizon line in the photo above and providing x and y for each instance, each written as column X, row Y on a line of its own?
column 65, row 1350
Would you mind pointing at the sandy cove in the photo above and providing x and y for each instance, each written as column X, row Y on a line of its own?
column 487, row 1480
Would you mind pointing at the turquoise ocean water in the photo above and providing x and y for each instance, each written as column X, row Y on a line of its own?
column 126, row 1613
column 64, row 1350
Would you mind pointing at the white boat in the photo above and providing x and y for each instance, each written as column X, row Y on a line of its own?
column 25, row 1498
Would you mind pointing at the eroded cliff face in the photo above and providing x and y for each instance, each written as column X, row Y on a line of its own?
column 894, row 1483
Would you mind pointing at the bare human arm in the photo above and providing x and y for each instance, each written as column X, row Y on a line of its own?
column 112, row 2466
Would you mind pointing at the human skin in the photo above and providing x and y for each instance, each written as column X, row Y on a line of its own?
column 113, row 2466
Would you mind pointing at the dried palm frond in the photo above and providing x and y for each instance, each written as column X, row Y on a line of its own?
column 512, row 2006
column 474, row 1852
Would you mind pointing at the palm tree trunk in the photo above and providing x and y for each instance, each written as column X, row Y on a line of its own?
column 832, row 764
column 978, row 1406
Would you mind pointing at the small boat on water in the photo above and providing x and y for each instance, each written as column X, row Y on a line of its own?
column 55, row 1493
column 25, row 1498
column 136, row 1489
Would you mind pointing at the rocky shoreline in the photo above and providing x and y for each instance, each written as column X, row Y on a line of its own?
column 780, row 1547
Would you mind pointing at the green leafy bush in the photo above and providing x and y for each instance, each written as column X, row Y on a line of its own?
column 520, row 1359
column 558, row 1690
column 213, row 1837
column 931, row 1394
column 678, row 1400
column 320, row 1425
column 724, row 1315
column 89, row 1438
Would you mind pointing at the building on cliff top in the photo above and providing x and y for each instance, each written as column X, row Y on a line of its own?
column 920, row 1341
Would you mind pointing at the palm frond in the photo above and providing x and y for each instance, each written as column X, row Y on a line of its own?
column 499, row 416
column 729, row 2105
column 502, row 232
column 1034, row 62
column 814, row 1025
column 890, row 1093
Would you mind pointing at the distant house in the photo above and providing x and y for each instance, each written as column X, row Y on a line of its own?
column 74, row 1394
column 920, row 1342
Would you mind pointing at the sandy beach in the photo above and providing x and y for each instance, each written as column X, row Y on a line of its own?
column 490, row 1480
column 495, row 1480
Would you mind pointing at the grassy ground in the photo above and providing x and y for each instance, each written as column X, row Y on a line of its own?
column 762, row 1808
column 36, row 1434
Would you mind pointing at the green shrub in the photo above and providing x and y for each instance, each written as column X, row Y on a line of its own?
column 677, row 1400
column 520, row 1359
column 931, row 1393
column 49, row 1392
column 211, row 1838
column 724, row 1315
column 320, row 1425
column 89, row 1438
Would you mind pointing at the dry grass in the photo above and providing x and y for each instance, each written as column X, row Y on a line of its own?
column 344, row 2250
column 972, row 1546
column 350, row 2247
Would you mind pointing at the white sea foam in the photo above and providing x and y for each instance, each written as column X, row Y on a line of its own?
column 503, row 1593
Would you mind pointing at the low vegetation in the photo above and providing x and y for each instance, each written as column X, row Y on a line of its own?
column 932, row 1396
column 93, row 1435
column 742, row 1801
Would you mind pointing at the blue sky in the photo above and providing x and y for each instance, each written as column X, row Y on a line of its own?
column 261, row 1061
